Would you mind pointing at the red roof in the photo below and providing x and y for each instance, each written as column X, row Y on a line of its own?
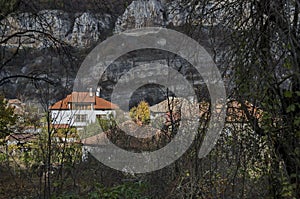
column 62, row 104
column 60, row 126
column 104, row 104
column 21, row 137
column 83, row 97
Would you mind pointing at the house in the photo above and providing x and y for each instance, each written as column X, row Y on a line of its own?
column 20, row 139
column 99, row 142
column 79, row 109
column 19, row 107
column 161, row 112
column 234, row 112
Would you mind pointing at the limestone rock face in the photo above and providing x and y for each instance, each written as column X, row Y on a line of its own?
column 152, row 13
column 177, row 13
column 88, row 27
column 78, row 31
column 141, row 13
column 85, row 28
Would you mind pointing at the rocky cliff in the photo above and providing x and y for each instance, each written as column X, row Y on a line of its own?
column 82, row 29
column 142, row 13
column 78, row 30
column 146, row 13
column 85, row 29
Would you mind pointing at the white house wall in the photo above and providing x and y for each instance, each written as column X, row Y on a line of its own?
column 61, row 117
column 68, row 116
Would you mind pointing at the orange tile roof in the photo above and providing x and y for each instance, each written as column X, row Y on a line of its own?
column 104, row 104
column 83, row 97
column 62, row 104
column 61, row 126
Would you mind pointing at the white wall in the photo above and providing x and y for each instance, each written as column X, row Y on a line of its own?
column 68, row 116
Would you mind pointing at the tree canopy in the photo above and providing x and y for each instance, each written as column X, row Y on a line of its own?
column 141, row 113
column 7, row 117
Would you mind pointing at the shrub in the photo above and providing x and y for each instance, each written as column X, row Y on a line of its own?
column 141, row 113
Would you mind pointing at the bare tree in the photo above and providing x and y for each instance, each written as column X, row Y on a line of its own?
column 262, row 57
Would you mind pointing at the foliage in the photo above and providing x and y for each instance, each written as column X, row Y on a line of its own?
column 2, row 157
column 107, row 123
column 65, row 147
column 90, row 130
column 7, row 118
column 66, row 132
column 141, row 113
column 103, row 124
column 7, row 7
column 31, row 117
column 132, row 112
column 63, row 152
column 67, row 196
column 257, row 43
column 262, row 57
column 126, row 190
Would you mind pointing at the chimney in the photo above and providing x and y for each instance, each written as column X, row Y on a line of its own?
column 91, row 92
column 98, row 91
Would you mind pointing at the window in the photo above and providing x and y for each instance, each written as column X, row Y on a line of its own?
column 101, row 116
column 80, row 118
column 81, row 106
